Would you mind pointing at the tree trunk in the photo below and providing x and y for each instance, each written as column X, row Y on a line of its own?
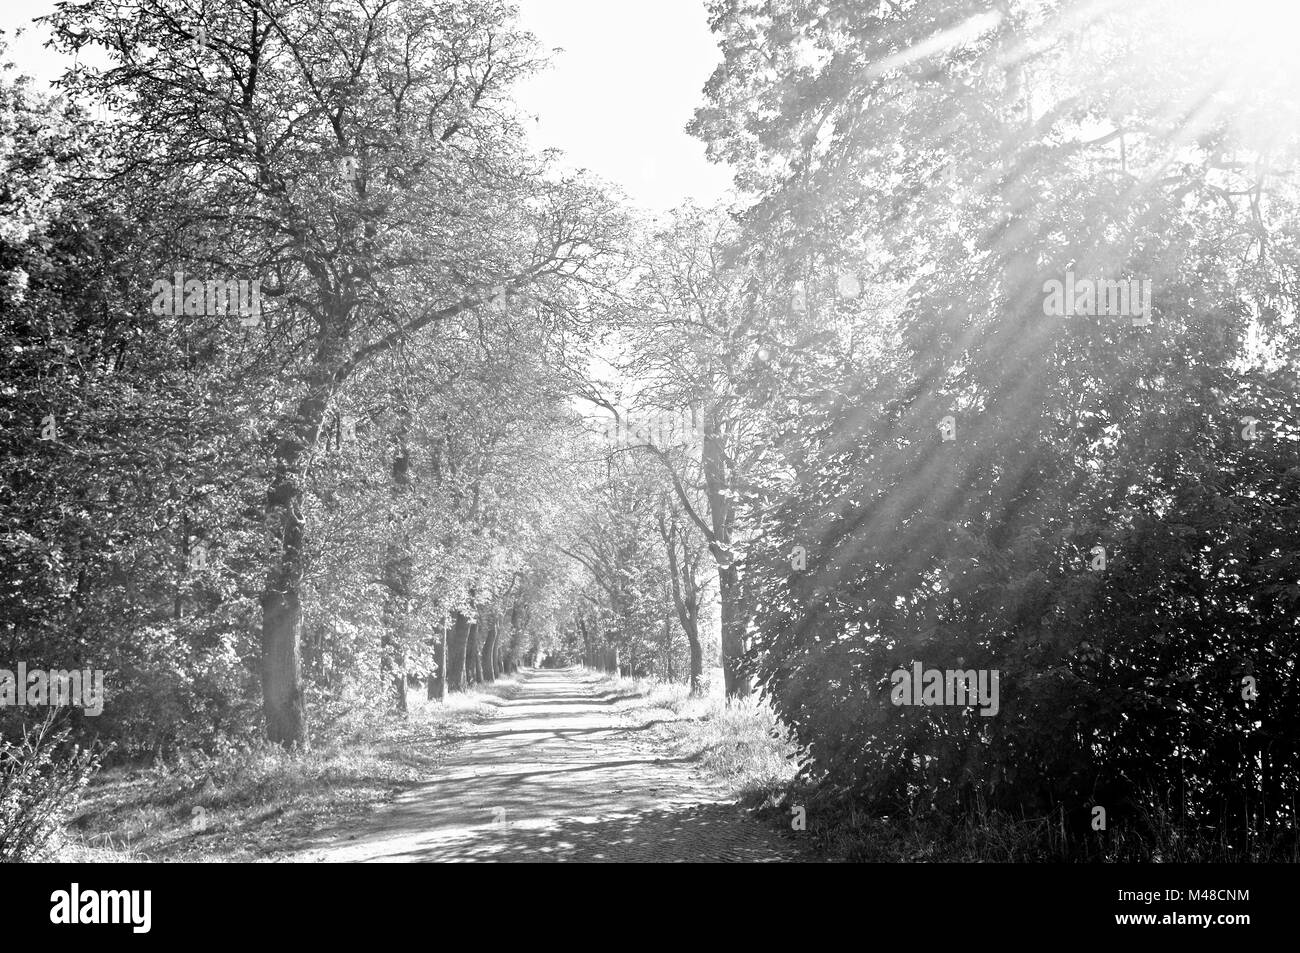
column 282, row 696
column 397, row 574
column 668, row 648
column 487, row 668
column 586, row 643
column 437, row 687
column 686, row 596
column 474, row 654
column 717, row 482
column 733, row 633
column 456, row 645
column 397, row 567
column 282, row 689
column 697, row 661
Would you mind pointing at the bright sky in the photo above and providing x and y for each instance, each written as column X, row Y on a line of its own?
column 615, row 101
column 25, row 51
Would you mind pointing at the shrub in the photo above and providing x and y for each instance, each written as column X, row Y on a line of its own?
column 41, row 777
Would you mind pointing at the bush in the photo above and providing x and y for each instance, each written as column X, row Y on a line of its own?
column 41, row 777
column 1170, row 669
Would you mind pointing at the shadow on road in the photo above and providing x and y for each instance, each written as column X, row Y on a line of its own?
column 705, row 833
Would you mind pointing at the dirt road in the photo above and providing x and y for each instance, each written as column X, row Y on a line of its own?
column 564, row 772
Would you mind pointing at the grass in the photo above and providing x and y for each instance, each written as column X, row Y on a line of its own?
column 740, row 745
column 259, row 802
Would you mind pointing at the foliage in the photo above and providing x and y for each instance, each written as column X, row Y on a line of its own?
column 1071, row 432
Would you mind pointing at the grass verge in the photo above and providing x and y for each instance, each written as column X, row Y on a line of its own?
column 260, row 802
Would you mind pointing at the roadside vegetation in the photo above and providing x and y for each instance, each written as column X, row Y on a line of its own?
column 256, row 801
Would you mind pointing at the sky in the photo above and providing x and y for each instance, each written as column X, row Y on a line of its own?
column 618, row 98
column 615, row 100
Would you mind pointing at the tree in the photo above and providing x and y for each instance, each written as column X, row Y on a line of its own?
column 697, row 328
column 688, row 586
